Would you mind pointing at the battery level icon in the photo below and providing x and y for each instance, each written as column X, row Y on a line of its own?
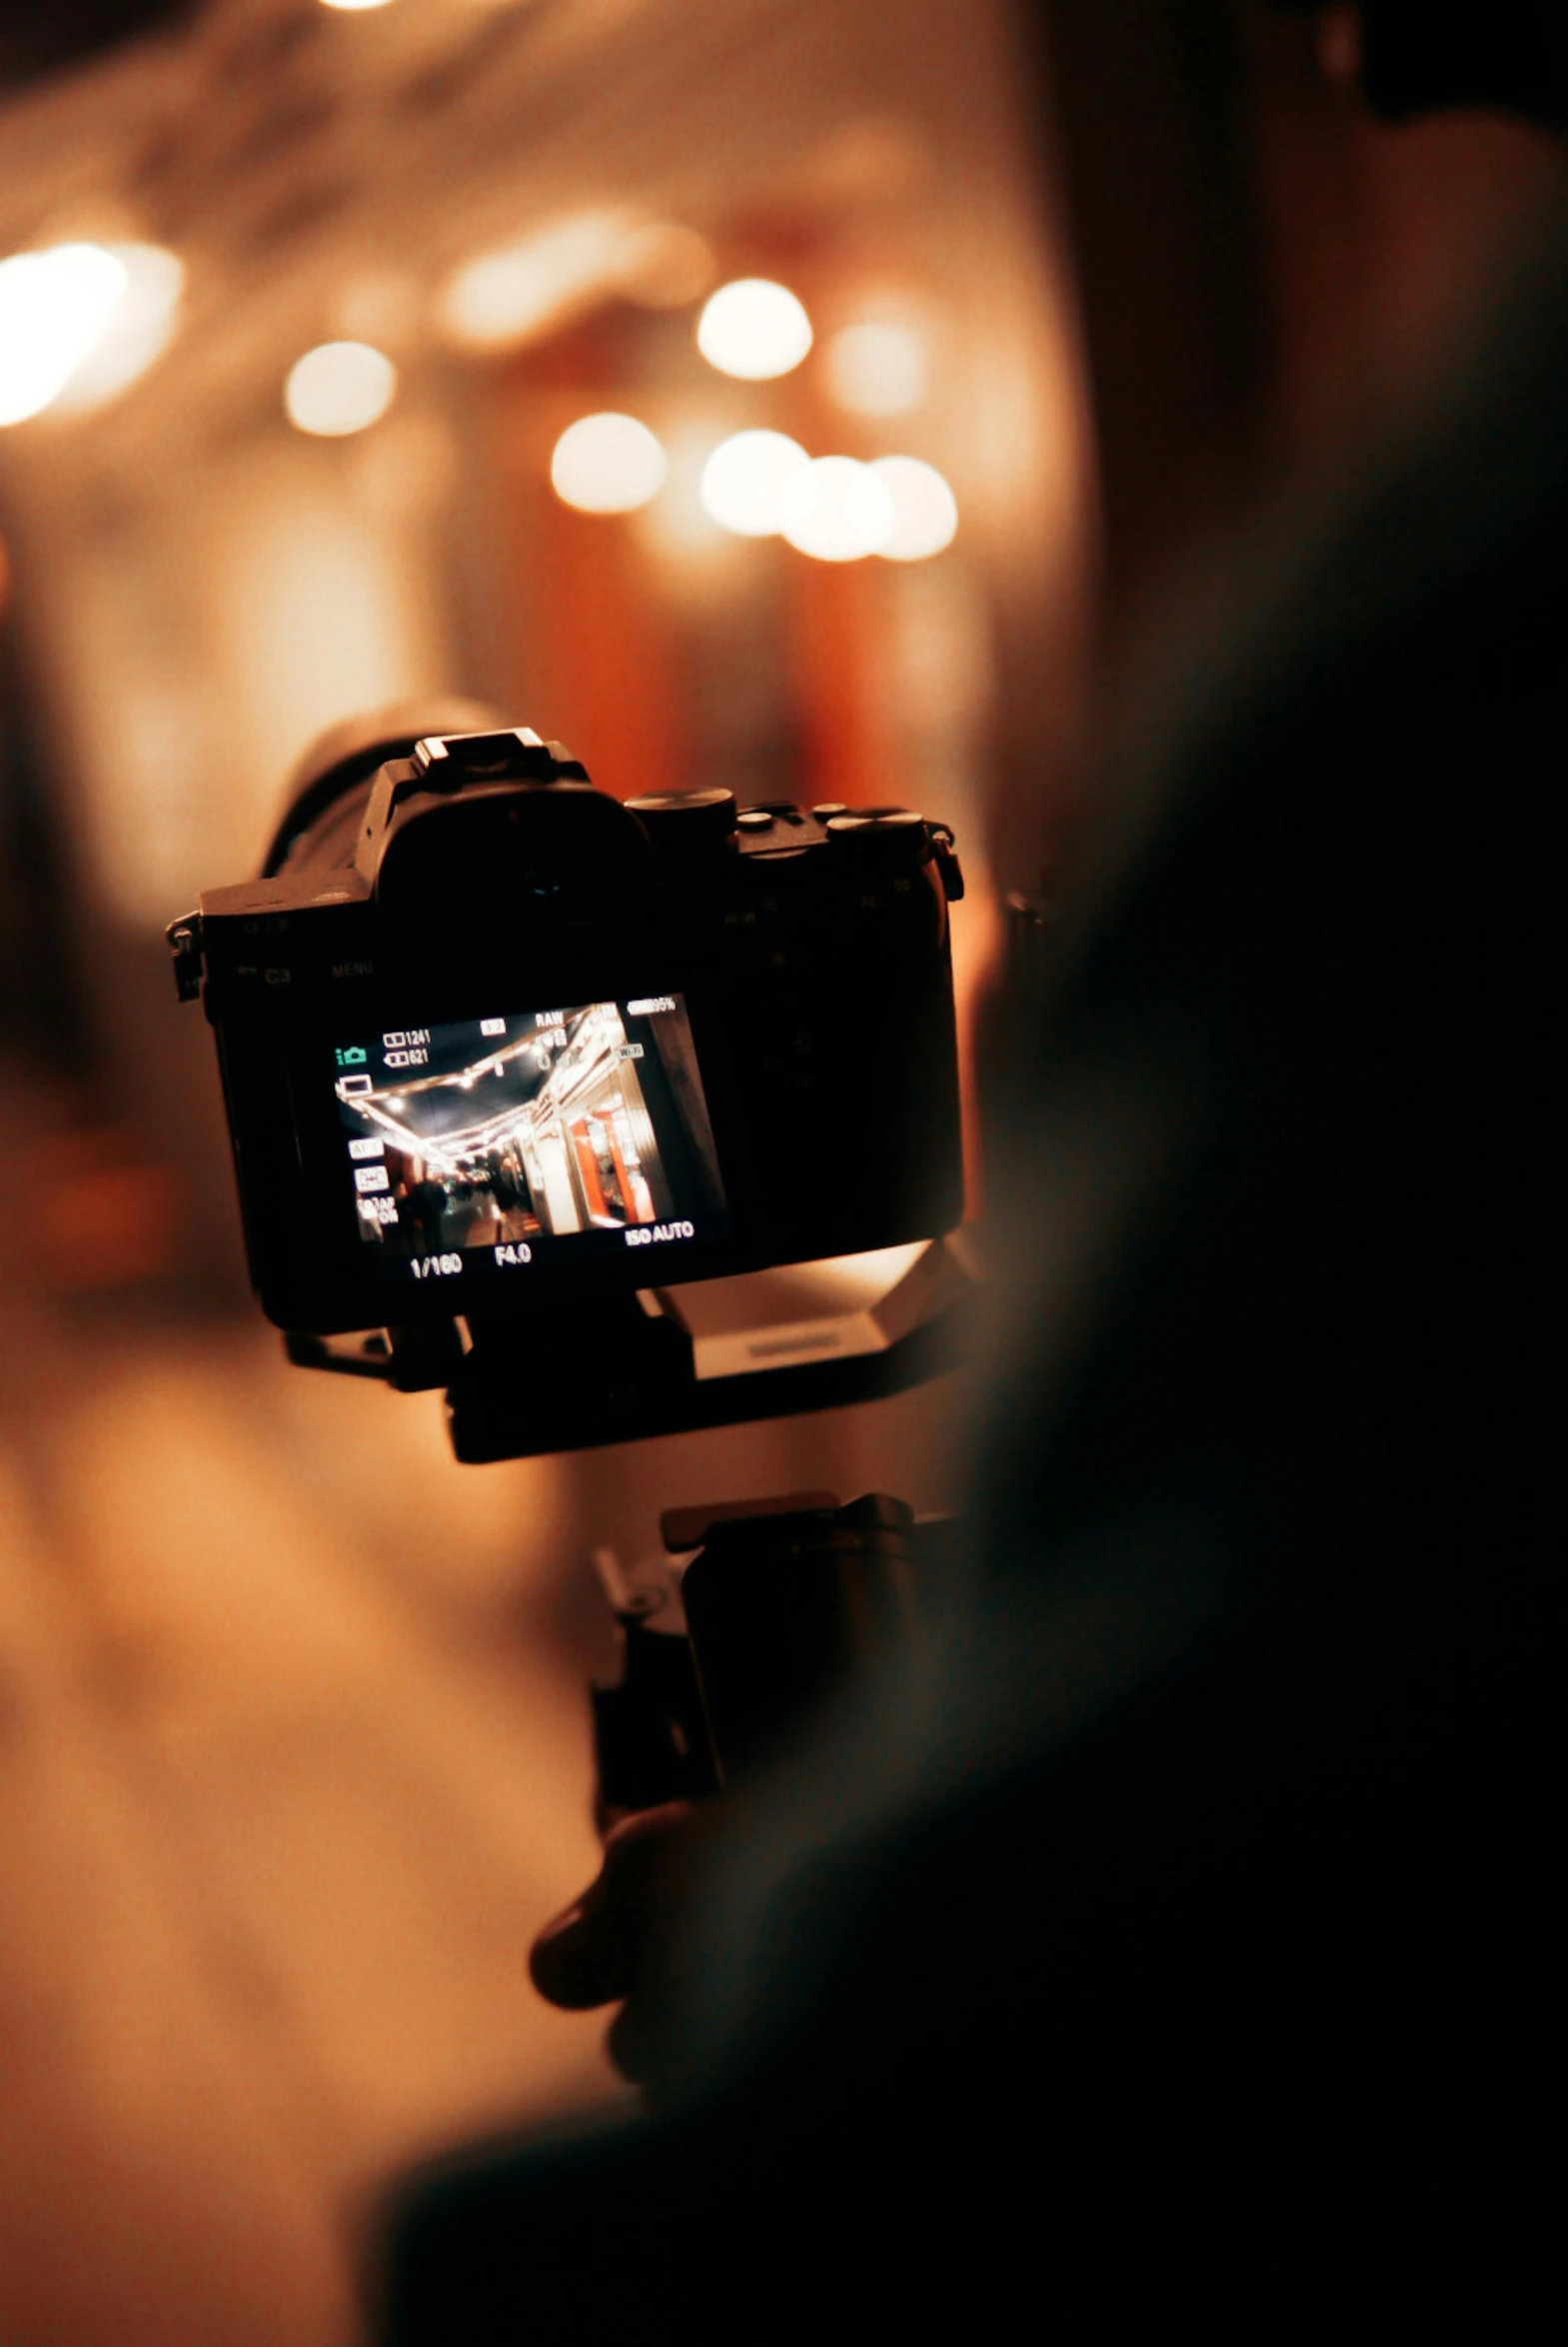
column 491, row 1026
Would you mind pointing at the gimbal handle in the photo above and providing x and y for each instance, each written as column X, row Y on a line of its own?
column 782, row 1606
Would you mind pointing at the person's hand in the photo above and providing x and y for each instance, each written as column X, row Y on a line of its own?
column 612, row 1945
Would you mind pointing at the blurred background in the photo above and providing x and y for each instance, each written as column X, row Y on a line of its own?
column 348, row 352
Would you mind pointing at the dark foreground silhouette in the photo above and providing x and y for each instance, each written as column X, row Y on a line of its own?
column 1171, row 1934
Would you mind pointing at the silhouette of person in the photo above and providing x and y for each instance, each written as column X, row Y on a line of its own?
column 1168, row 1938
column 429, row 1199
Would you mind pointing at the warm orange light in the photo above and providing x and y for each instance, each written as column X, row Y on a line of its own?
column 923, row 508
column 663, row 266
column 753, row 329
column 54, row 309
column 502, row 296
column 744, row 480
column 608, row 463
column 339, row 387
column 139, row 330
column 836, row 510
column 875, row 368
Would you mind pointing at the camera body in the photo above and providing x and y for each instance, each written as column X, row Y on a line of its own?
column 486, row 1033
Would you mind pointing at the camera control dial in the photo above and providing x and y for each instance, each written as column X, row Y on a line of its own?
column 681, row 822
column 891, row 834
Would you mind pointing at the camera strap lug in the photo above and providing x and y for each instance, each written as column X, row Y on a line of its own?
column 946, row 855
column 185, row 944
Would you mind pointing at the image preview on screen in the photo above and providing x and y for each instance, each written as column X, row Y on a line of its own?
column 525, row 1133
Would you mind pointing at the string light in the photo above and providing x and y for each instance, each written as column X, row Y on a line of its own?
column 339, row 387
column 501, row 298
column 608, row 463
column 55, row 308
column 138, row 331
column 923, row 508
column 753, row 329
column 744, row 480
column 836, row 510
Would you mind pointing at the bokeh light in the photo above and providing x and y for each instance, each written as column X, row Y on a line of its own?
column 503, row 297
column 876, row 370
column 138, row 331
column 339, row 388
column 925, row 509
column 352, row 7
column 836, row 510
column 753, row 329
column 608, row 463
column 55, row 308
column 744, row 479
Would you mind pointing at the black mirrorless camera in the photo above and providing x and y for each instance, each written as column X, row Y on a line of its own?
column 486, row 1033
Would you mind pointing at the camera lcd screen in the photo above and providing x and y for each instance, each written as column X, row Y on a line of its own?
column 541, row 1136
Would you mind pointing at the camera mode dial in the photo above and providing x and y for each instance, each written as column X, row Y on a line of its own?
column 681, row 823
column 890, row 833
